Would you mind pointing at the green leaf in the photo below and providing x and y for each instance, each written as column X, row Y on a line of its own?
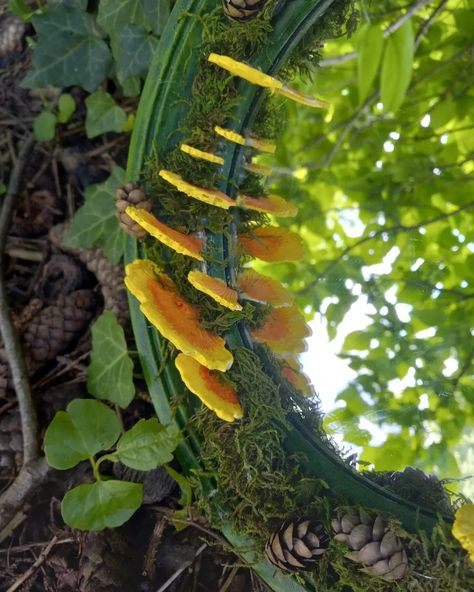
column 105, row 504
column 370, row 48
column 110, row 372
column 131, row 86
column 44, row 126
column 148, row 445
column 397, row 66
column 95, row 223
column 84, row 429
column 133, row 49
column 69, row 50
column 151, row 14
column 184, row 484
column 103, row 115
column 66, row 107
column 357, row 340
column 82, row 4
column 3, row 188
column 21, row 9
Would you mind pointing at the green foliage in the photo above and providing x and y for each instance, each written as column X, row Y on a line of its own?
column 397, row 67
column 66, row 107
column 21, row 9
column 95, row 224
column 370, row 47
column 148, row 445
column 44, row 126
column 103, row 114
column 104, row 504
column 378, row 186
column 110, row 372
column 133, row 51
column 87, row 428
column 78, row 44
column 70, row 50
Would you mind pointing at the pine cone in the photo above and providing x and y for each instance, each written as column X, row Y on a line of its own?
column 297, row 544
column 11, row 444
column 242, row 10
column 56, row 326
column 131, row 194
column 111, row 280
column 378, row 548
column 157, row 483
column 109, row 276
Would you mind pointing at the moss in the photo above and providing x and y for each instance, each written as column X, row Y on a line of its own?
column 340, row 19
column 259, row 484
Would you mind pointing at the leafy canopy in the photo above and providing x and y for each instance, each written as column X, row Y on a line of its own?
column 385, row 188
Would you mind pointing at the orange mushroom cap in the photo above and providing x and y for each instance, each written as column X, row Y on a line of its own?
column 217, row 289
column 208, row 386
column 261, row 288
column 273, row 204
column 214, row 197
column 284, row 331
column 292, row 372
column 463, row 528
column 257, row 143
column 174, row 317
column 272, row 244
column 179, row 242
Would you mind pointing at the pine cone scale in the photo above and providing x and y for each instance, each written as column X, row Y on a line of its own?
column 371, row 544
column 297, row 545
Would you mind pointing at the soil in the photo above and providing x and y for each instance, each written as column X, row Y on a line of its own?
column 38, row 552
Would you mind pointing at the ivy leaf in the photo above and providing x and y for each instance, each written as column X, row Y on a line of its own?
column 103, row 115
column 95, row 223
column 69, row 50
column 369, row 55
column 80, row 432
column 397, row 66
column 151, row 14
column 133, row 50
column 82, row 4
column 44, row 126
column 148, row 445
column 184, row 484
column 110, row 373
column 66, row 107
column 105, row 504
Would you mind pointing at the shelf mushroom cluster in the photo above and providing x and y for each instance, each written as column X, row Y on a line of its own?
column 204, row 357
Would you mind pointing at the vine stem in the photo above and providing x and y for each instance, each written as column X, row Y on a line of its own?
column 11, row 341
column 34, row 469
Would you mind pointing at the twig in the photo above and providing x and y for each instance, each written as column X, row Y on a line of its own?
column 177, row 573
column 388, row 31
column 230, row 579
column 344, row 133
column 27, row 547
column 373, row 235
column 34, row 469
column 29, row 478
column 429, row 21
column 37, row 564
column 29, row 420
